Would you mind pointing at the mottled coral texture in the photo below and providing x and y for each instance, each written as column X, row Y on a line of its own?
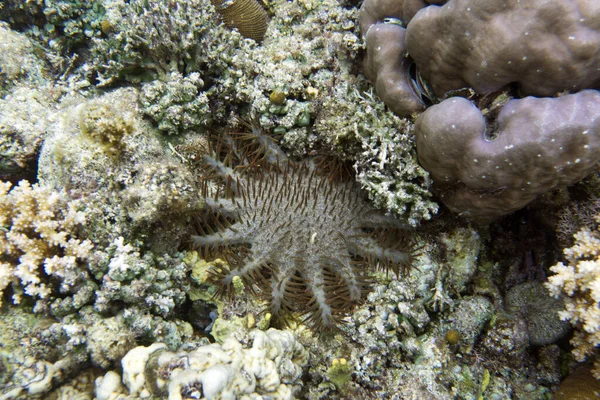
column 38, row 239
column 578, row 281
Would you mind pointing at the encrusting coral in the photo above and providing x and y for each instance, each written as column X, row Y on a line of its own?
column 303, row 241
column 579, row 282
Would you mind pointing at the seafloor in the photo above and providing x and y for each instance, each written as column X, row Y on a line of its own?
column 251, row 199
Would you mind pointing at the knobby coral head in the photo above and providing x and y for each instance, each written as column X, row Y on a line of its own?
column 303, row 242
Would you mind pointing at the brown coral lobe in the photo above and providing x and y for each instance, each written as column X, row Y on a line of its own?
column 247, row 16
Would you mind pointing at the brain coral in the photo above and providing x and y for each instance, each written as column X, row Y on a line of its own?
column 301, row 240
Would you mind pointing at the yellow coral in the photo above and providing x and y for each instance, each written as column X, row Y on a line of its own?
column 37, row 231
column 580, row 282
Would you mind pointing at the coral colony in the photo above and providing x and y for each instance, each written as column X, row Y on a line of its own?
column 304, row 241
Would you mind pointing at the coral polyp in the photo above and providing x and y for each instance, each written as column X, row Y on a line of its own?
column 303, row 241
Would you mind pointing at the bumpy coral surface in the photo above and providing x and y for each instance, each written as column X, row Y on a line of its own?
column 302, row 240
column 387, row 65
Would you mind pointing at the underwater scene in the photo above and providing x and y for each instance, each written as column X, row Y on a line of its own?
column 309, row 199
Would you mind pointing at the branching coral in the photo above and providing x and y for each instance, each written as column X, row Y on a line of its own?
column 579, row 282
column 177, row 105
column 382, row 146
column 301, row 240
column 38, row 239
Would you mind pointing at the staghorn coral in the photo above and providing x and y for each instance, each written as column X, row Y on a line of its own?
column 303, row 241
column 247, row 16
column 579, row 282
column 38, row 238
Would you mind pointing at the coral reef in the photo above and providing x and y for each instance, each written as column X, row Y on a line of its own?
column 396, row 347
column 301, row 239
column 177, row 105
column 537, row 144
column 383, row 146
column 479, row 311
column 478, row 57
column 579, row 282
column 19, row 62
column 151, row 39
column 26, row 104
column 24, row 374
column 307, row 50
column 269, row 366
column 133, row 113
column 25, row 115
column 63, row 25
